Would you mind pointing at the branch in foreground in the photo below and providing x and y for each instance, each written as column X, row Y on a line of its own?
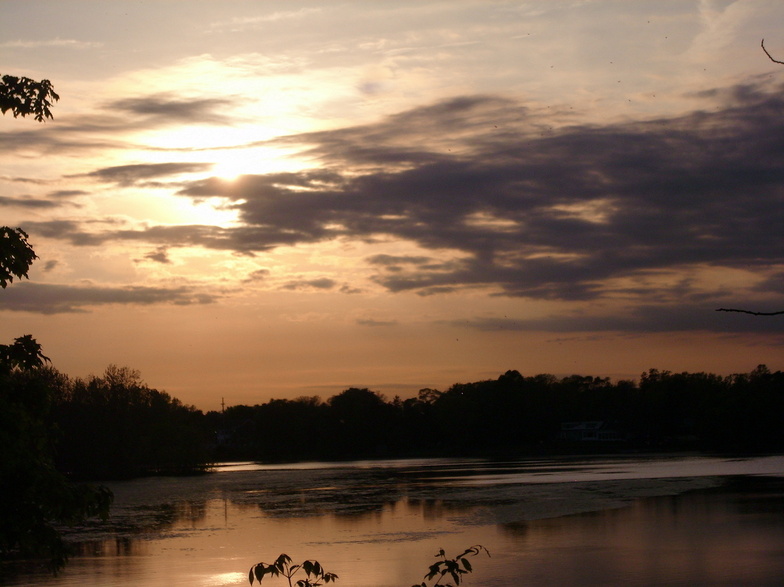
column 750, row 312
column 762, row 44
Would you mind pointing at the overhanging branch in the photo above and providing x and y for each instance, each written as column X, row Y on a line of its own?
column 762, row 44
column 750, row 312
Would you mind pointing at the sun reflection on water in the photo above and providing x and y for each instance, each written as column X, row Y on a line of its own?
column 222, row 579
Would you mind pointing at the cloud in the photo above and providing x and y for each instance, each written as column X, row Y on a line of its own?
column 55, row 199
column 348, row 289
column 241, row 23
column 62, row 139
column 320, row 283
column 645, row 318
column 165, row 109
column 67, row 193
column 84, row 233
column 141, row 173
column 98, row 130
column 160, row 255
column 57, row 299
column 27, row 202
column 500, row 202
column 33, row 180
column 774, row 282
column 395, row 263
column 550, row 217
column 376, row 323
column 59, row 43
column 257, row 275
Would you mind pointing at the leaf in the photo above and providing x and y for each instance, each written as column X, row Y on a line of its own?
column 250, row 576
column 312, row 568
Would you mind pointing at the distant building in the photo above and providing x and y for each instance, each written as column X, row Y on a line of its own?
column 589, row 431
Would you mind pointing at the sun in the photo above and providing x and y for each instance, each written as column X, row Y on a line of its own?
column 229, row 164
column 229, row 152
column 204, row 153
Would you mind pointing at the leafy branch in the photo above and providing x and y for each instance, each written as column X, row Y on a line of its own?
column 24, row 96
column 456, row 568
column 16, row 254
column 24, row 354
column 314, row 572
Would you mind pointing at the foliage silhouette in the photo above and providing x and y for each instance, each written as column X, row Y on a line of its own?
column 314, row 572
column 35, row 498
column 25, row 353
column 16, row 255
column 516, row 414
column 115, row 426
column 24, row 96
column 456, row 568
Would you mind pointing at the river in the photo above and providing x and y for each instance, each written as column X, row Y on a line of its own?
column 666, row 520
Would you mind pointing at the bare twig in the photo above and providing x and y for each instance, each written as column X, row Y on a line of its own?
column 762, row 44
column 750, row 312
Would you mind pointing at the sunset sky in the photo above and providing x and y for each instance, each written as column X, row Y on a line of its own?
column 248, row 200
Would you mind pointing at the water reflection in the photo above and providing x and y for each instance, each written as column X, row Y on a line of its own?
column 595, row 523
column 703, row 538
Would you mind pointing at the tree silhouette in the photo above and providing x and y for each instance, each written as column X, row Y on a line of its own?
column 21, row 96
column 115, row 426
column 24, row 97
column 16, row 255
column 35, row 498
column 25, row 353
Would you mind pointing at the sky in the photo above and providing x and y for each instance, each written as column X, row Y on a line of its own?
column 247, row 200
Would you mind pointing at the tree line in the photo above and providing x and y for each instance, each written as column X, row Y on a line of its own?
column 57, row 432
column 116, row 426
column 515, row 414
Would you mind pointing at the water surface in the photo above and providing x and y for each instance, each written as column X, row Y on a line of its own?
column 578, row 521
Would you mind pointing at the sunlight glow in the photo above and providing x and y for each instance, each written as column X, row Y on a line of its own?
column 597, row 211
column 230, row 164
column 232, row 151
column 225, row 579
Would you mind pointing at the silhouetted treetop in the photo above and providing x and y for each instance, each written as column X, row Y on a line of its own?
column 16, row 255
column 24, row 97
column 25, row 354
